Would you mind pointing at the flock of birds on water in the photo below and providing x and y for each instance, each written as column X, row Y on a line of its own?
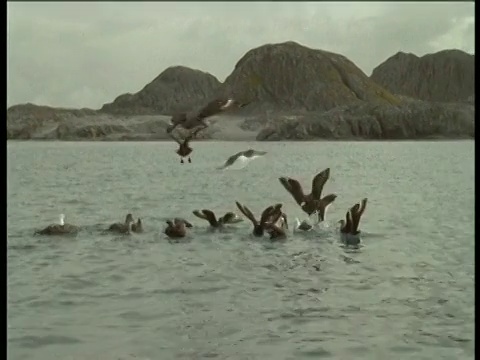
column 273, row 221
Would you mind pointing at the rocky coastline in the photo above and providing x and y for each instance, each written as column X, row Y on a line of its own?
column 294, row 93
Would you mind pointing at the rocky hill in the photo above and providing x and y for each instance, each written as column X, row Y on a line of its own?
column 176, row 89
column 445, row 76
column 294, row 93
column 289, row 76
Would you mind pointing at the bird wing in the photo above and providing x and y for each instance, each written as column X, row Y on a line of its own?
column 210, row 216
column 294, row 188
column 246, row 211
column 176, row 120
column 230, row 160
column 323, row 204
column 176, row 139
column 199, row 214
column 194, row 132
column 357, row 211
column 271, row 214
column 348, row 224
column 273, row 218
column 214, row 107
column 318, row 182
column 354, row 217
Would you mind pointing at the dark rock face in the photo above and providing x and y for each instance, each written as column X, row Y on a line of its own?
column 41, row 122
column 446, row 76
column 289, row 76
column 412, row 120
column 23, row 121
column 176, row 89
column 294, row 93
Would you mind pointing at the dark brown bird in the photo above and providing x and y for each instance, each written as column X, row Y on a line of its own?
column 312, row 202
column 228, row 218
column 277, row 228
column 184, row 148
column 59, row 229
column 138, row 226
column 349, row 231
column 270, row 214
column 177, row 228
column 197, row 118
column 121, row 227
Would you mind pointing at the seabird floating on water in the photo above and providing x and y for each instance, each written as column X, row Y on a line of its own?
column 276, row 228
column 59, row 229
column 176, row 228
column 269, row 215
column 349, row 232
column 123, row 228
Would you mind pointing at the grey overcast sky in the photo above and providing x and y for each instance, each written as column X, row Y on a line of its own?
column 76, row 54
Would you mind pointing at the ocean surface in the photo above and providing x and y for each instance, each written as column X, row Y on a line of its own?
column 407, row 292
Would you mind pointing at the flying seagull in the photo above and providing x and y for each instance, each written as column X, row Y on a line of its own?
column 196, row 119
column 241, row 159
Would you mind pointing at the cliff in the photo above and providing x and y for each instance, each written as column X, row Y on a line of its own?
column 445, row 76
column 293, row 92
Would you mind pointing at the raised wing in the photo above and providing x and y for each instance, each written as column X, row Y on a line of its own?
column 210, row 217
column 230, row 160
column 353, row 217
column 323, row 205
column 348, row 224
column 176, row 120
column 176, row 139
column 294, row 188
column 357, row 211
column 212, row 108
column 271, row 214
column 199, row 214
column 128, row 218
column 246, row 211
column 318, row 183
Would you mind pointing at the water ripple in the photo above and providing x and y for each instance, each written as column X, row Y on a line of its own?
column 408, row 291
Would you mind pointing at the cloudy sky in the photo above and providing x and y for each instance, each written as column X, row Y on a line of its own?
column 77, row 54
